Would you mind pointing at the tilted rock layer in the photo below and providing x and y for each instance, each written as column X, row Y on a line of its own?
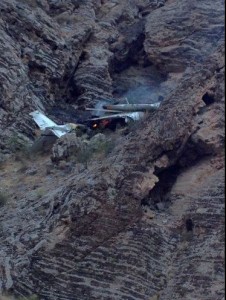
column 113, row 226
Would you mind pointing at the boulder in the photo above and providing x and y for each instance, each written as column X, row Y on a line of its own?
column 67, row 146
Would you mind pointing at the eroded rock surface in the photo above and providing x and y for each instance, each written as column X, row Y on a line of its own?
column 114, row 227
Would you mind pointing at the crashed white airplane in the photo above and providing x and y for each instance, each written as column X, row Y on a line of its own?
column 45, row 124
column 118, row 114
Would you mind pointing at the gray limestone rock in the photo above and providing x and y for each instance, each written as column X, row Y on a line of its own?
column 67, row 146
column 77, row 231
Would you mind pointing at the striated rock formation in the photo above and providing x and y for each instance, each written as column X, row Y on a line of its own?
column 115, row 225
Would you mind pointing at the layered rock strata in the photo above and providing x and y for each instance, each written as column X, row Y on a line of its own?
column 115, row 228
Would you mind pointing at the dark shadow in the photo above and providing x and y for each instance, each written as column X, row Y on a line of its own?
column 158, row 198
column 208, row 98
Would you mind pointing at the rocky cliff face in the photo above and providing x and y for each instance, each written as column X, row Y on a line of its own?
column 145, row 219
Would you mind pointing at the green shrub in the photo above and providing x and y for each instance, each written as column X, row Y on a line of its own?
column 40, row 193
column 105, row 147
column 3, row 198
column 2, row 163
column 83, row 156
column 15, row 143
column 32, row 297
column 19, row 146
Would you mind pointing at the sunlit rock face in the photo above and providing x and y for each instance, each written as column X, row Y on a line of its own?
column 113, row 225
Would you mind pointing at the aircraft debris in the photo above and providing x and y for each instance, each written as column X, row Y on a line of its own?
column 118, row 114
column 104, row 116
column 132, row 107
column 46, row 125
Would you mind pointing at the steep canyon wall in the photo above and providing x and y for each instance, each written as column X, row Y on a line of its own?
column 115, row 228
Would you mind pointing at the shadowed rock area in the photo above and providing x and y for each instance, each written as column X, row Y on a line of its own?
column 141, row 215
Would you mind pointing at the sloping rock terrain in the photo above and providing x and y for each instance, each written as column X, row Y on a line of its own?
column 142, row 215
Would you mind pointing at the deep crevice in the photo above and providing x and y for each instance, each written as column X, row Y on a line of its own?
column 158, row 197
column 208, row 98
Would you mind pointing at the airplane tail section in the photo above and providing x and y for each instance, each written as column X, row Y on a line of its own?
column 41, row 120
column 44, row 122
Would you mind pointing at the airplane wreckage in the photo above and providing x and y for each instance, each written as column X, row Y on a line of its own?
column 103, row 116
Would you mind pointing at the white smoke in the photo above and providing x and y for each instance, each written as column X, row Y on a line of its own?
column 140, row 85
column 143, row 94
